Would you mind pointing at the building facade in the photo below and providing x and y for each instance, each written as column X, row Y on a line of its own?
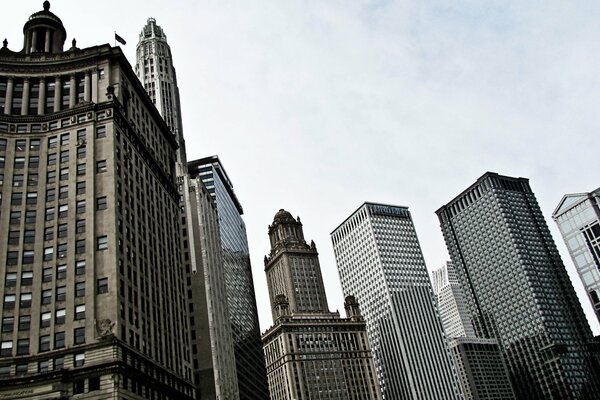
column 311, row 353
column 92, row 281
column 518, row 290
column 451, row 303
column 380, row 262
column 237, row 271
column 578, row 218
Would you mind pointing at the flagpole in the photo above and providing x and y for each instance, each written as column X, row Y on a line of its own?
column 115, row 40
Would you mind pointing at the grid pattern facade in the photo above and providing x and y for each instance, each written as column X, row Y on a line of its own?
column 87, row 190
column 451, row 303
column 481, row 370
column 578, row 218
column 518, row 290
column 380, row 262
column 311, row 354
column 238, row 281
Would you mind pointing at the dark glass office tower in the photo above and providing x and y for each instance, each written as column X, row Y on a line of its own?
column 250, row 361
column 518, row 290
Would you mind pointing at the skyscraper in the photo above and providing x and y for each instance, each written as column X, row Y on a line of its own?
column 311, row 353
column 578, row 218
column 211, row 333
column 92, row 281
column 238, row 282
column 451, row 303
column 517, row 288
column 380, row 262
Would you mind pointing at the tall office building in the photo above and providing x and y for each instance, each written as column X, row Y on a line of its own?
column 237, row 271
column 578, row 218
column 478, row 362
column 92, row 281
column 518, row 290
column 451, row 303
column 380, row 262
column 311, row 353
column 211, row 334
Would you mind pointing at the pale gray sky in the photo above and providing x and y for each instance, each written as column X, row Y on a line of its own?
column 318, row 106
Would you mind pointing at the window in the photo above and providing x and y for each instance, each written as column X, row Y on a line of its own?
column 14, row 237
column 79, row 360
column 34, row 145
column 15, row 217
column 101, row 166
column 50, row 176
column 30, row 217
column 80, row 267
column 12, row 258
column 49, row 233
column 81, row 154
column 2, row 159
column 3, row 143
column 63, row 210
column 61, row 271
column 80, row 135
column 64, row 174
column 1, row 179
column 31, row 198
column 59, row 363
column 28, row 256
column 100, row 132
column 94, row 384
column 64, row 139
column 63, row 192
column 19, row 162
column 52, row 159
column 45, row 319
column 80, row 226
column 61, row 293
column 80, row 246
column 18, row 180
column 9, row 301
column 48, row 253
column 20, row 145
column 52, row 142
column 101, row 243
column 80, row 311
column 22, row 347
column 22, row 369
column 102, row 285
column 81, row 169
column 80, row 187
column 49, row 213
column 6, row 349
column 34, row 162
column 64, row 156
column 25, row 300
column 47, row 296
column 60, row 316
column 79, row 289
column 8, row 324
column 16, row 198
column 29, row 236
column 44, row 365
column 24, row 322
column 59, row 340
column 79, row 386
column 80, row 207
column 11, row 279
column 62, row 230
column 61, row 250
column 50, row 194
column 79, row 336
column 26, row 278
column 47, row 274
column 101, row 203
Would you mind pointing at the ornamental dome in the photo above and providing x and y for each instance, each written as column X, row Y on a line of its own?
column 44, row 32
column 283, row 217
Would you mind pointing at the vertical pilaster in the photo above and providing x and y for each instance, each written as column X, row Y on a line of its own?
column 72, row 92
column 9, row 96
column 47, row 41
column 57, row 93
column 25, row 102
column 34, row 39
column 42, row 97
column 86, row 86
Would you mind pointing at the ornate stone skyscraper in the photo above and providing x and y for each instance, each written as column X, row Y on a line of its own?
column 518, row 290
column 311, row 353
column 92, row 280
column 380, row 262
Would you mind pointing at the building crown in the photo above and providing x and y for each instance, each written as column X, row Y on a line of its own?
column 44, row 32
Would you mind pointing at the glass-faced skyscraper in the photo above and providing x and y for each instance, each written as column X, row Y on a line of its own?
column 518, row 290
column 239, row 285
column 578, row 218
column 380, row 262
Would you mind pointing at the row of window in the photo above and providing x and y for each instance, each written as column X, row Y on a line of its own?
column 25, row 299
column 28, row 256
column 6, row 347
column 35, row 144
column 24, row 322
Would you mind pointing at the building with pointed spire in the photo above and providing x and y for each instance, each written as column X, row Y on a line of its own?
column 311, row 353
column 92, row 280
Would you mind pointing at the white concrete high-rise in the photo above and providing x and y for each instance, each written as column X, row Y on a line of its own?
column 451, row 303
column 380, row 262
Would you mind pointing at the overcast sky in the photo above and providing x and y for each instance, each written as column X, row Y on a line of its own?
column 318, row 106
